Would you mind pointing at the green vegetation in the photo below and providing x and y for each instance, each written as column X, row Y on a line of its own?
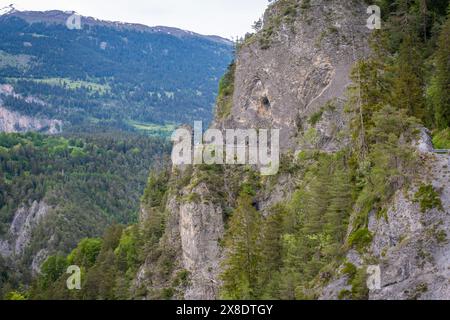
column 20, row 62
column 441, row 139
column 440, row 82
column 107, row 266
column 296, row 242
column 359, row 285
column 441, row 237
column 418, row 292
column 357, row 279
column 360, row 239
column 226, row 91
column 15, row 296
column 350, row 270
column 428, row 198
column 241, row 271
column 74, row 85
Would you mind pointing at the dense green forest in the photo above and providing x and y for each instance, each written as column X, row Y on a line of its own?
column 118, row 76
column 294, row 251
column 89, row 181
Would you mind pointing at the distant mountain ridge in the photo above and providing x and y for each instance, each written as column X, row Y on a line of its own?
column 60, row 17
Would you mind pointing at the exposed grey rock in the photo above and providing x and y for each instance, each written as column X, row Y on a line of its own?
column 355, row 258
column 38, row 260
column 424, row 144
column 201, row 228
column 275, row 193
column 146, row 277
column 332, row 290
column 307, row 65
column 411, row 247
column 22, row 226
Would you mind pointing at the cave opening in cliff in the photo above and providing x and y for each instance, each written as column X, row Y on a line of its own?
column 265, row 102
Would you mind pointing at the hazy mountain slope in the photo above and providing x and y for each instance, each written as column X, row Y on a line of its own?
column 280, row 80
column 109, row 73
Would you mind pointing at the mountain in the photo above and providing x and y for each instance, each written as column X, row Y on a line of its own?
column 359, row 208
column 112, row 74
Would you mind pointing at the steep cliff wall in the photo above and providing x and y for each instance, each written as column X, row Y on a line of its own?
column 298, row 65
column 18, row 238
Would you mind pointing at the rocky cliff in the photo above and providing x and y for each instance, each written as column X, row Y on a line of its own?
column 294, row 75
column 410, row 244
column 299, row 62
column 297, row 66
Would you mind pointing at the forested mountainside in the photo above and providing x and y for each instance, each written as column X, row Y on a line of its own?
column 106, row 74
column 57, row 190
column 361, row 113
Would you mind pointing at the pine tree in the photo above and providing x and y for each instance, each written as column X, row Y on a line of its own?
column 442, row 96
column 242, row 267
column 409, row 83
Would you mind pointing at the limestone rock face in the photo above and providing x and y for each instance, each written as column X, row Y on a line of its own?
column 307, row 65
column 412, row 245
column 305, row 70
column 38, row 260
column 201, row 228
column 13, row 122
column 5, row 248
column 24, row 221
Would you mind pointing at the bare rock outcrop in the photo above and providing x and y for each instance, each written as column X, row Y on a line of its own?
column 20, row 232
column 280, row 86
column 201, row 228
column 412, row 244
column 307, row 65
